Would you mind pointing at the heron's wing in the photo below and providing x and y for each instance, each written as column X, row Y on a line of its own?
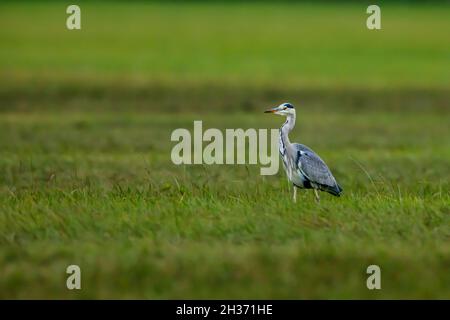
column 313, row 167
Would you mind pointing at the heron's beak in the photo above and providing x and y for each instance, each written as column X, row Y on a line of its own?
column 273, row 110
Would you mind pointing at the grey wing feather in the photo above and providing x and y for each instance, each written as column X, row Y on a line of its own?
column 313, row 167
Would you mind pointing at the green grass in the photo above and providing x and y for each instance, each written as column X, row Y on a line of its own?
column 296, row 44
column 100, row 191
column 86, row 176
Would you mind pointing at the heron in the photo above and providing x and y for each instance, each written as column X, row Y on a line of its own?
column 304, row 168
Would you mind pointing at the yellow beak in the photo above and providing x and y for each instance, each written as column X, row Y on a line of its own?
column 273, row 110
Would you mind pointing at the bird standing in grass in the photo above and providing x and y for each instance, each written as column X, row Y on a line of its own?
column 304, row 168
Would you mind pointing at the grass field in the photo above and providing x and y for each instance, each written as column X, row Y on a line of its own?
column 86, row 176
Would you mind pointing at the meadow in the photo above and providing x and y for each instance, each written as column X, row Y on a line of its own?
column 86, row 176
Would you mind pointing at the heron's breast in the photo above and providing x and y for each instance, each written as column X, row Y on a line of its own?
column 299, row 179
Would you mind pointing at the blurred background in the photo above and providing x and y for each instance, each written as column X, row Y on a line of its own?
column 85, row 171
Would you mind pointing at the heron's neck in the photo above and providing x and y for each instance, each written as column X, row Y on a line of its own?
column 286, row 128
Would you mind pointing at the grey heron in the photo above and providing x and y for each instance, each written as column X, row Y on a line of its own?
column 304, row 168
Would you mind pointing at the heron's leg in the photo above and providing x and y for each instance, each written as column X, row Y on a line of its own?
column 316, row 193
column 295, row 194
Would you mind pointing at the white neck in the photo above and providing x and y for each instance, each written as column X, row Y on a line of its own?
column 286, row 128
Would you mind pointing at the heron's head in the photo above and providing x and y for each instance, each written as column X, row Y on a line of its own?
column 283, row 109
